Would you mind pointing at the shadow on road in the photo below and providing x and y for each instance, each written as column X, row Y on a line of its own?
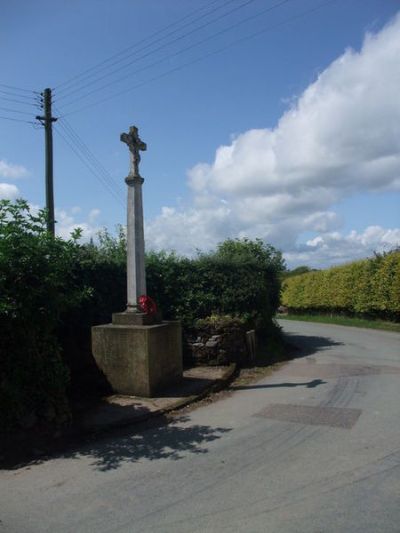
column 160, row 439
column 309, row 384
column 304, row 345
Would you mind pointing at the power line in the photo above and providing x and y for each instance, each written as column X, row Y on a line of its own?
column 10, row 93
column 84, row 148
column 80, row 153
column 162, row 46
column 183, row 50
column 17, row 120
column 32, row 103
column 85, row 162
column 15, row 111
column 134, row 45
column 18, row 88
column 206, row 56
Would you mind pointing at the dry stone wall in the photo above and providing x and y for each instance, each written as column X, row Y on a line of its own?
column 216, row 344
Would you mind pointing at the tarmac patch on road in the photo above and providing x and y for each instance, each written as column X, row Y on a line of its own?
column 337, row 417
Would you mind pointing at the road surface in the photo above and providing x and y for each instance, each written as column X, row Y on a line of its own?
column 313, row 448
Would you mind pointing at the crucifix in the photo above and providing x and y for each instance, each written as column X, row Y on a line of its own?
column 135, row 145
column 138, row 353
column 136, row 274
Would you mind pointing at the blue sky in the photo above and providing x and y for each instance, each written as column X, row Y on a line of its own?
column 282, row 123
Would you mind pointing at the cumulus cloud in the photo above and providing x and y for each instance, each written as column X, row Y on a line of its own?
column 341, row 136
column 67, row 222
column 335, row 248
column 8, row 191
column 8, row 170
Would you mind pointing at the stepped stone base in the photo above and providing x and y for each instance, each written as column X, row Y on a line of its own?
column 139, row 360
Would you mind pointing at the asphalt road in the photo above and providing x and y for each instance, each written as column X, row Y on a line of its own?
column 314, row 447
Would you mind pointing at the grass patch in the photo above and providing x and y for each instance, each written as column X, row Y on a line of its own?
column 346, row 321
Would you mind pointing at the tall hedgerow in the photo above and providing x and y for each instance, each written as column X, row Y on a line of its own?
column 370, row 287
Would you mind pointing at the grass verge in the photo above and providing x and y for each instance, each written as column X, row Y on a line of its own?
column 346, row 321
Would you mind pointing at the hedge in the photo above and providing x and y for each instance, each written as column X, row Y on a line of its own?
column 370, row 287
column 37, row 285
column 190, row 289
column 52, row 291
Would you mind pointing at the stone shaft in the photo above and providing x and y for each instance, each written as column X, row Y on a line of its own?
column 136, row 273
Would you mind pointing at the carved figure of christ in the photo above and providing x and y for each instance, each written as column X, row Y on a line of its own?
column 135, row 145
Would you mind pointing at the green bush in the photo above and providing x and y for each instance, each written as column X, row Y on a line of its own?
column 37, row 284
column 370, row 287
column 241, row 278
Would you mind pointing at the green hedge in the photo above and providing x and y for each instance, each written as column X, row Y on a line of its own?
column 37, row 285
column 190, row 289
column 240, row 279
column 370, row 287
column 52, row 291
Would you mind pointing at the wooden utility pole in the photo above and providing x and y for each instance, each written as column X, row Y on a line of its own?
column 47, row 120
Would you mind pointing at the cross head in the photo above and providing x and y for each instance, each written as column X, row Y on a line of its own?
column 135, row 145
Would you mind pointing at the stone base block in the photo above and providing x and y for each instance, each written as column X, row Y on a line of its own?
column 135, row 319
column 139, row 360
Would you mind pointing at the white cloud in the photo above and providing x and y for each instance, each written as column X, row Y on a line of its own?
column 8, row 170
column 8, row 192
column 93, row 215
column 334, row 248
column 341, row 136
column 66, row 223
column 188, row 230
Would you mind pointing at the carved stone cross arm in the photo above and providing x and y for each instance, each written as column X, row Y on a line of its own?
column 135, row 145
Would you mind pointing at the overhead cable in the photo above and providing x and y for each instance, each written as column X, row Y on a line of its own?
column 16, row 120
column 183, row 50
column 206, row 56
column 162, row 46
column 83, row 146
column 15, row 111
column 12, row 93
column 18, row 88
column 100, row 66
column 33, row 103
column 91, row 163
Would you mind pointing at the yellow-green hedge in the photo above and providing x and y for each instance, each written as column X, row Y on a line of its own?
column 369, row 287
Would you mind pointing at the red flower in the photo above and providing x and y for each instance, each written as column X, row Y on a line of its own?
column 147, row 305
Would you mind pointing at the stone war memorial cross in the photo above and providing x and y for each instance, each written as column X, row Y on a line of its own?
column 138, row 354
column 136, row 273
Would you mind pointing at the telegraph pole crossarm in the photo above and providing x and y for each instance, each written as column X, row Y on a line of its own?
column 47, row 120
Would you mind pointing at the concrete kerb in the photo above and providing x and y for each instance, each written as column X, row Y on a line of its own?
column 218, row 385
column 107, row 417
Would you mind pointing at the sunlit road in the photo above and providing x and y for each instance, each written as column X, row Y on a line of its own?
column 314, row 447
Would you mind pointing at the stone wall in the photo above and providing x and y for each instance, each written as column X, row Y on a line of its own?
column 216, row 343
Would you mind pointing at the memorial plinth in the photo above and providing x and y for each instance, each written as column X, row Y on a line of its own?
column 139, row 354
column 139, row 360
